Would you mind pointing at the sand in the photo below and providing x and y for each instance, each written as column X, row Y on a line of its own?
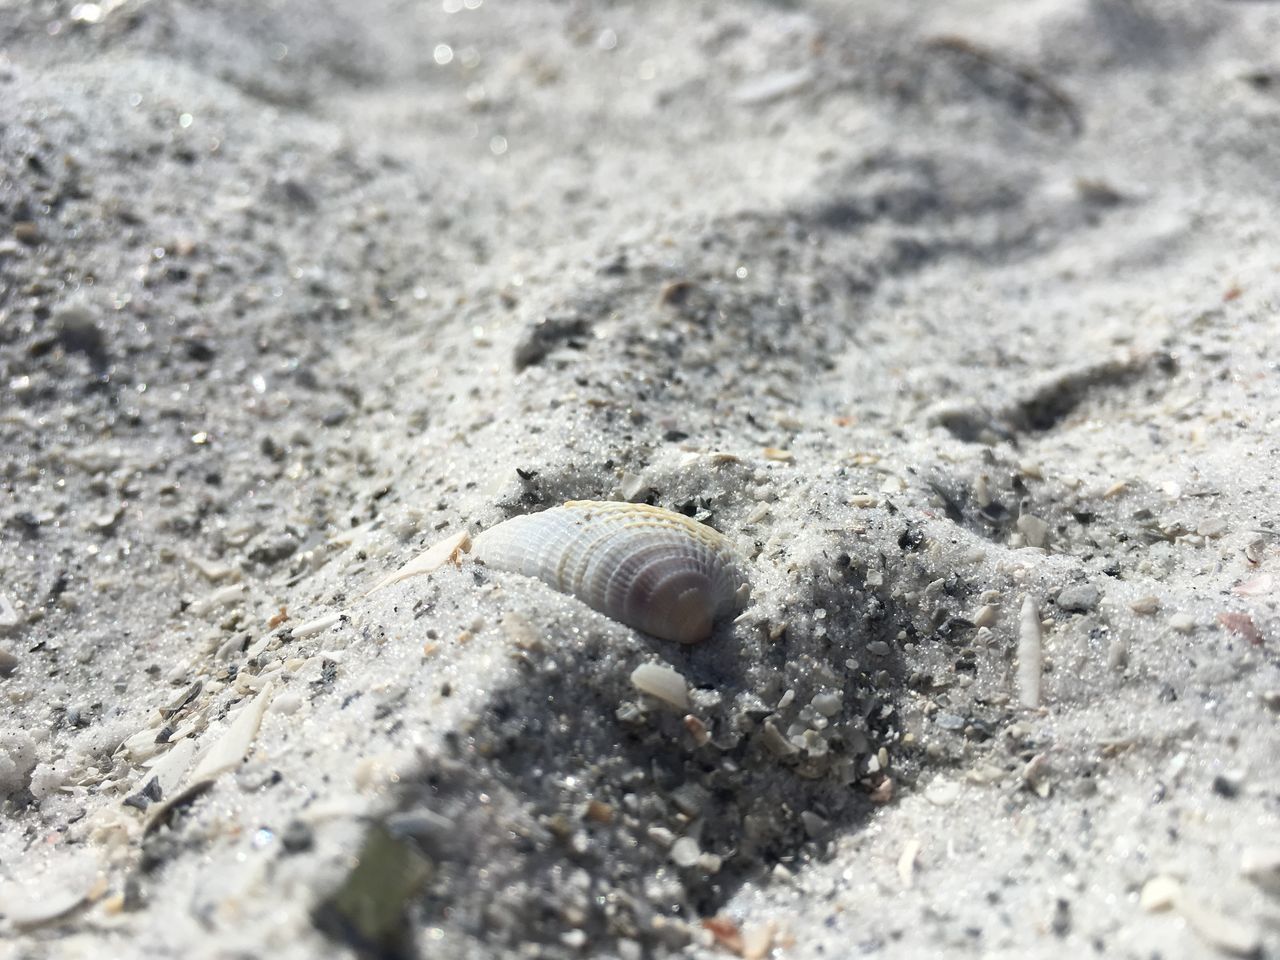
column 958, row 320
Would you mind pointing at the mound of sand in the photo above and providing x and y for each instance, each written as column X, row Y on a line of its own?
column 958, row 320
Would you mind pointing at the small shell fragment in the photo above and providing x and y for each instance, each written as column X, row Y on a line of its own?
column 1145, row 606
column 986, row 615
column 1160, row 893
column 662, row 683
column 1262, row 866
column 318, row 625
column 1258, row 586
column 228, row 752
column 1243, row 625
column 433, row 558
column 644, row 566
column 907, row 863
column 1229, row 935
column 8, row 615
column 1254, row 550
column 217, row 599
column 1030, row 653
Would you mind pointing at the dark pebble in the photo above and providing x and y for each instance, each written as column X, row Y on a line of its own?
column 949, row 721
column 1226, row 787
column 297, row 837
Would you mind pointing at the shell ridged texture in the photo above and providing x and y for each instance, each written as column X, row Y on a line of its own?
column 649, row 568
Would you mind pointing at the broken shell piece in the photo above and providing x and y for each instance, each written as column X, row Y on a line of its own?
column 31, row 905
column 433, row 558
column 1254, row 550
column 313, row 627
column 8, row 615
column 1229, row 935
column 229, row 751
column 1262, row 866
column 1258, row 586
column 684, row 852
column 1145, row 606
column 1243, row 625
column 217, row 599
column 1159, row 893
column 662, row 683
column 907, row 863
column 1030, row 654
column 644, row 566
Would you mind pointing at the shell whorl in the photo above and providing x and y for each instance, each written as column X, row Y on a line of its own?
column 647, row 567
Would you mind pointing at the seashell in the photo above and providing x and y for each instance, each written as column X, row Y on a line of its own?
column 662, row 682
column 649, row 568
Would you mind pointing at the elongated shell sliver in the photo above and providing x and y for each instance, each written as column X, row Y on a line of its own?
column 649, row 568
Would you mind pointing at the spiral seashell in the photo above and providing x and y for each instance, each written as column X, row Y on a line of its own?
column 649, row 568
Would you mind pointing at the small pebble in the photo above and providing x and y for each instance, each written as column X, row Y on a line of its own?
column 1035, row 532
column 690, row 799
column 1145, row 606
column 1036, row 775
column 828, row 704
column 297, row 837
column 633, row 488
column 776, row 743
column 1255, row 549
column 26, row 231
column 1227, row 785
column 1227, row 934
column 1060, row 924
column 8, row 615
column 1182, row 622
column 286, row 703
column 757, row 941
column 1159, row 893
column 949, row 721
column 1211, row 527
column 685, row 852
column 1115, row 489
column 942, row 792
column 1262, row 866
column 1258, row 586
column 1242, row 625
column 1080, row 598
column 878, row 648
column 814, row 825
column 598, row 811
column 986, row 616
column 662, row 836
column 1117, row 654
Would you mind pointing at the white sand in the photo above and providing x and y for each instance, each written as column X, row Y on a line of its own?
column 931, row 308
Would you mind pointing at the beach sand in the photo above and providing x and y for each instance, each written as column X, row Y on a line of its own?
column 958, row 320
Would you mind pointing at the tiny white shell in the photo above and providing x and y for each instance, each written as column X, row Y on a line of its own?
column 649, row 568
column 660, row 681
